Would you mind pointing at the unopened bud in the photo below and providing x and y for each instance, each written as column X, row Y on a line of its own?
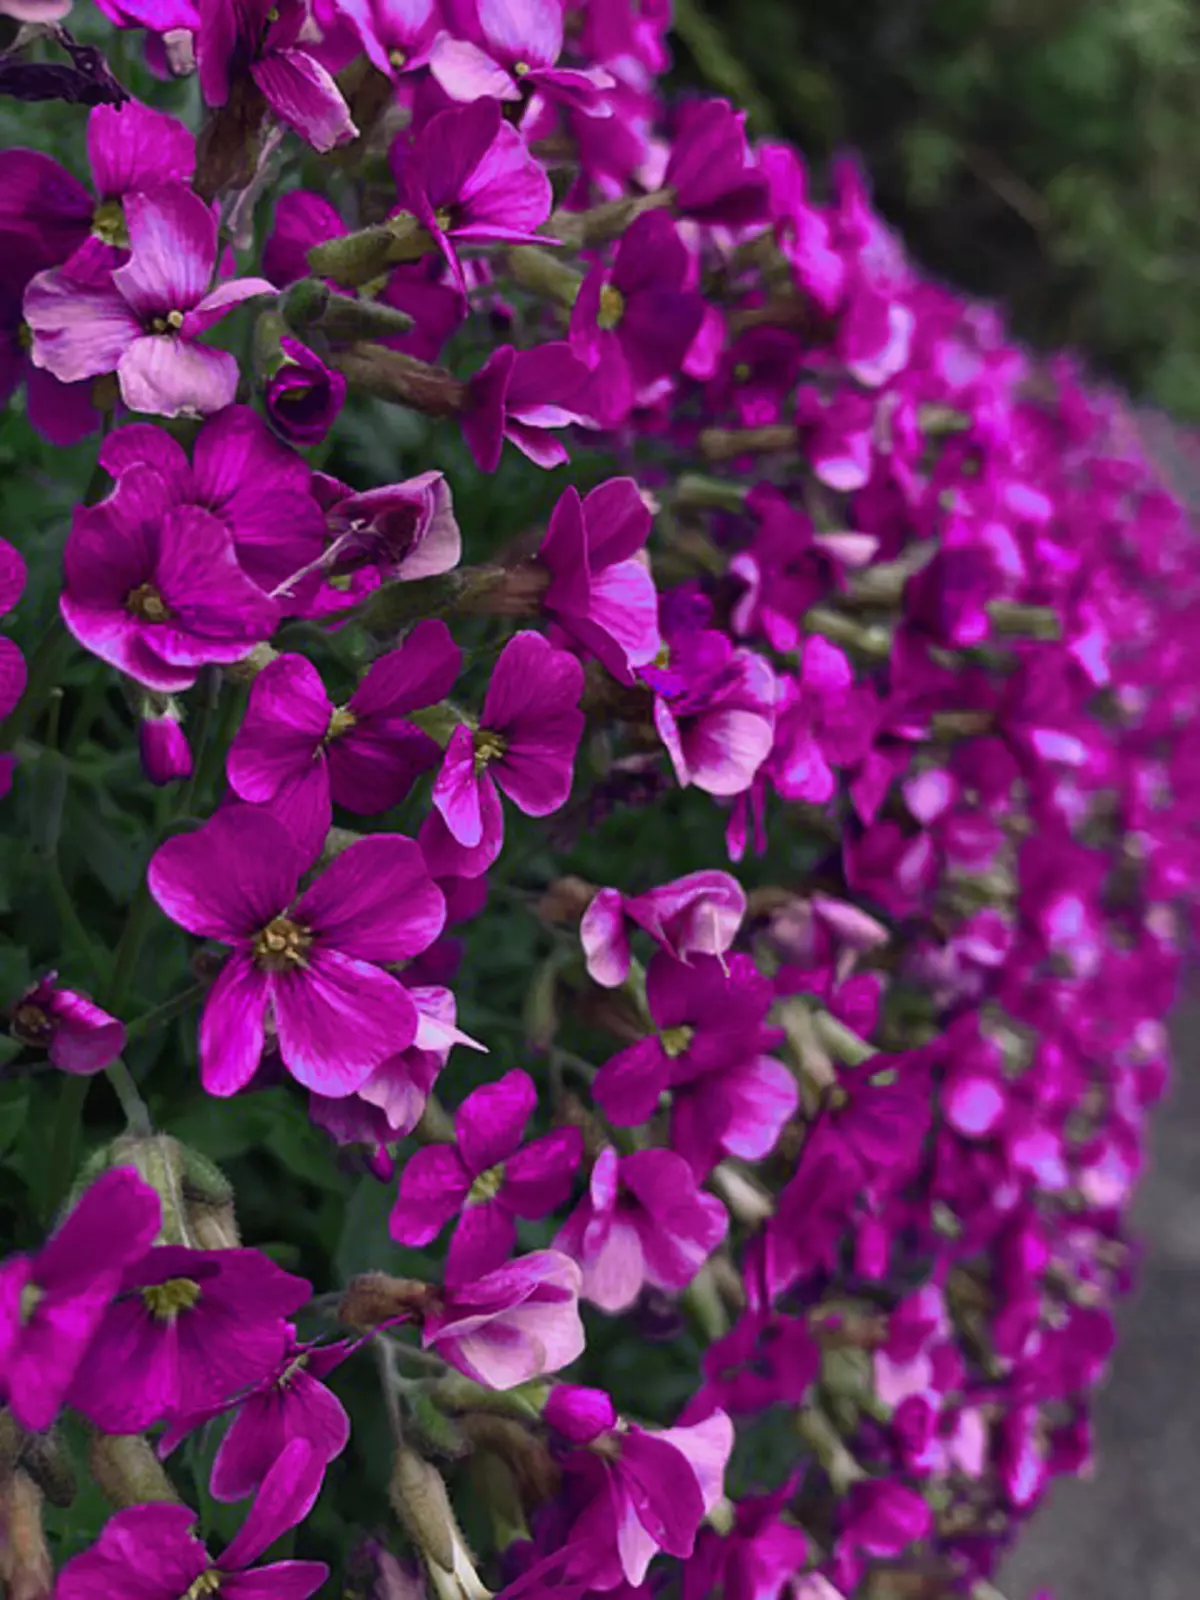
column 48, row 1462
column 402, row 379
column 126, row 1469
column 419, row 1499
column 496, row 1487
column 374, row 1298
column 726, row 444
column 356, row 258
column 26, row 1572
column 159, row 1161
column 162, row 744
column 565, row 901
column 544, row 274
column 527, row 1462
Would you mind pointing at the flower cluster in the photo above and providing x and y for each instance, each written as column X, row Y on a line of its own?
column 848, row 1086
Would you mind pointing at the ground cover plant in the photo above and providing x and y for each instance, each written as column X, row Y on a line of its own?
column 602, row 804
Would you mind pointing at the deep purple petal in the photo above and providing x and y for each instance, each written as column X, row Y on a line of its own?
column 136, row 147
column 281, row 734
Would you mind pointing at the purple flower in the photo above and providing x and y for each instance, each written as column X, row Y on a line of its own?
column 241, row 473
column 767, row 1359
column 600, row 592
column 145, row 320
column 313, row 961
column 364, row 755
column 709, row 1017
column 404, row 531
column 163, row 746
column 397, row 35
column 152, row 1551
column 823, row 721
column 77, row 1035
column 523, row 39
column 289, row 1403
column 516, row 1323
column 643, row 1221
column 756, row 1559
column 524, row 746
column 62, row 413
column 698, row 914
column 155, row 588
column 468, row 178
column 879, row 1519
column 261, row 39
column 523, row 396
column 738, row 1110
column 488, row 1176
column 51, row 1304
column 187, row 1329
column 303, row 396
column 634, row 324
column 12, row 662
column 710, row 169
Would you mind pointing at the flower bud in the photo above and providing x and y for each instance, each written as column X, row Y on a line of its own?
column 126, row 1469
column 419, row 1499
column 162, row 743
column 26, row 1572
column 375, row 1298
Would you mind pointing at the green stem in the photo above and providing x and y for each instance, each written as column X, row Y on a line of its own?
column 129, row 948
column 64, row 1142
column 69, row 921
column 160, row 1016
column 137, row 1114
column 43, row 667
column 204, row 725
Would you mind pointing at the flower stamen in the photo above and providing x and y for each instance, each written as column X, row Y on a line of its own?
column 146, row 604
column 166, row 1300
column 282, row 945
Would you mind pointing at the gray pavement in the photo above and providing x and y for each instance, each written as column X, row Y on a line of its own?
column 1133, row 1531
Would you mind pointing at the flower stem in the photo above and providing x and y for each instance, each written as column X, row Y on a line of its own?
column 160, row 1016
column 136, row 1112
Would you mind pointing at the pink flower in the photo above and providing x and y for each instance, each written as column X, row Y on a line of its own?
column 163, row 746
column 879, row 1519
column 397, row 35
column 313, row 961
column 698, row 914
column 51, row 1304
column 756, row 1559
column 364, row 755
column 288, row 1403
column 303, row 397
column 261, row 39
column 523, row 396
column 242, row 474
column 823, row 721
column 710, row 168
column 468, row 178
column 529, row 731
column 516, row 1323
column 156, row 1542
column 78, row 1036
column 523, row 39
column 144, row 319
column 600, row 592
column 642, row 1221
column 738, row 1110
column 404, row 531
column 488, row 1176
column 709, row 1017
column 155, row 589
column 187, row 1329
column 12, row 662
column 633, row 325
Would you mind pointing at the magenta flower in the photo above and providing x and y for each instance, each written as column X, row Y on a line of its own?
column 12, row 662
column 145, row 321
column 151, row 1550
column 523, row 40
column 187, row 1329
column 514, row 1324
column 163, row 747
column 291, row 1402
column 643, row 1221
column 600, row 592
column 303, row 396
column 823, row 721
column 397, row 35
column 241, row 473
column 879, row 1519
column 698, row 914
column 52, row 1304
column 634, row 324
column 523, row 396
column 261, row 39
column 709, row 1017
column 60, row 412
column 155, row 589
column 468, row 178
column 364, row 755
column 756, row 1559
column 711, row 170
column 390, row 1102
column 314, row 962
column 714, row 709
column 78, row 1036
column 487, row 1176
column 529, row 731
column 403, row 530
column 739, row 1110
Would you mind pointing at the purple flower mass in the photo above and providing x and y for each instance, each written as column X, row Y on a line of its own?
column 689, row 907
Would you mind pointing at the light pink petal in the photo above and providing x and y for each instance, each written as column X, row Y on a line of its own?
column 726, row 749
column 605, row 939
column 303, row 94
column 173, row 243
column 523, row 30
column 763, row 1097
column 339, row 1019
column 232, row 1028
column 79, row 330
column 168, row 377
column 375, row 902
column 621, row 627
column 221, row 302
column 614, row 1273
column 457, row 789
column 491, row 1120
column 465, row 73
column 229, row 878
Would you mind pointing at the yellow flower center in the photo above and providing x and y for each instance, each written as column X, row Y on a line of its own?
column 444, row 217
column 290, row 1371
column 398, row 58
column 171, row 323
column 521, row 68
column 282, row 945
column 612, row 308
column 340, row 722
column 486, row 1186
column 208, row 1583
column 108, row 224
column 489, row 746
column 31, row 1299
column 146, row 604
column 676, row 1040
column 166, row 1300
column 31, row 1025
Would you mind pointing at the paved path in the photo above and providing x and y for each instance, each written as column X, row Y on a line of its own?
column 1133, row 1532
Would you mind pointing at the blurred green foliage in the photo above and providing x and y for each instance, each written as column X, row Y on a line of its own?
column 1041, row 152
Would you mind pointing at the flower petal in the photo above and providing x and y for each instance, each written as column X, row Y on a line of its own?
column 169, row 377
column 303, row 94
column 173, row 244
column 233, row 1027
column 492, row 1118
column 229, row 878
column 339, row 1019
column 375, row 902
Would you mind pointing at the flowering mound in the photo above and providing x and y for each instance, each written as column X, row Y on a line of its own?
column 773, row 836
